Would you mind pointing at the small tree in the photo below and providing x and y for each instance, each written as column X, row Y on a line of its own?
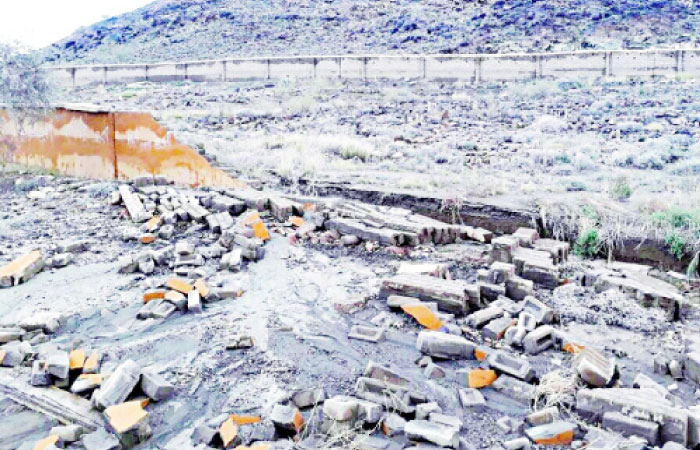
column 24, row 92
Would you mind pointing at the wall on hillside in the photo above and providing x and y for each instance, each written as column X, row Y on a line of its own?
column 469, row 68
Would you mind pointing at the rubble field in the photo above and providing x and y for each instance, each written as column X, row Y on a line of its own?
column 148, row 315
column 615, row 159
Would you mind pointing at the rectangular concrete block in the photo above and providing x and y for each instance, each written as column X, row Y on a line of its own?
column 627, row 426
column 445, row 346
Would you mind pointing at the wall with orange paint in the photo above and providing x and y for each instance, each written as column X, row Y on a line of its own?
column 108, row 145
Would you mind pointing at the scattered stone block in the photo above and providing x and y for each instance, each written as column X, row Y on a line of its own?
column 541, row 312
column 510, row 365
column 393, row 424
column 555, row 433
column 240, row 342
column 383, row 373
column 480, row 318
column 495, row 329
column 40, row 376
column 423, row 410
column 539, row 340
column 86, row 383
column 480, row 378
column 543, row 416
column 288, row 418
column 194, row 302
column 627, row 426
column 340, row 408
column 471, row 398
column 118, row 386
column 21, row 269
column 512, row 387
column 423, row 430
column 129, row 421
column 228, row 431
column 100, row 440
column 156, row 387
column 309, row 397
column 518, row 288
column 58, row 364
column 451, row 295
column 11, row 334
column 673, row 422
column 68, row 433
column 369, row 334
column 433, row 371
column 594, row 368
column 445, row 346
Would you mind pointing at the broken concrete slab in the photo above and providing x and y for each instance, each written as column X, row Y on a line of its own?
column 453, row 296
column 673, row 422
column 21, row 269
column 369, row 334
column 625, row 425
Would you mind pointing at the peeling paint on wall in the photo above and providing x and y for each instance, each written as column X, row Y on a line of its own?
column 107, row 145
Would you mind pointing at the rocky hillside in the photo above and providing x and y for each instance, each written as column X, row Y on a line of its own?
column 195, row 29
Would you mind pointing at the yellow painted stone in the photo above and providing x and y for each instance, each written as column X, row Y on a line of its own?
column 125, row 416
column 480, row 378
column 202, row 288
column 77, row 359
column 177, row 284
column 260, row 231
column 46, row 442
column 228, row 431
column 423, row 316
column 242, row 419
column 91, row 363
column 20, row 264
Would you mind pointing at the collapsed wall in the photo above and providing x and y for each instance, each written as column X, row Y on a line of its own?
column 101, row 144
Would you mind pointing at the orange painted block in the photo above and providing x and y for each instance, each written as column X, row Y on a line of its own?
column 570, row 347
column 481, row 378
column 46, row 442
column 423, row 316
column 76, row 359
column 2, row 356
column 96, row 379
column 153, row 224
column 260, row 231
column 298, row 421
column 296, row 221
column 480, row 354
column 91, row 363
column 179, row 285
column 147, row 238
column 10, row 273
column 251, row 218
column 242, row 419
column 555, row 433
column 125, row 416
column 228, row 432
column 153, row 294
column 202, row 288
column 564, row 438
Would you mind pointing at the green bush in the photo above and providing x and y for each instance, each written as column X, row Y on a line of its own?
column 588, row 243
column 676, row 244
column 620, row 189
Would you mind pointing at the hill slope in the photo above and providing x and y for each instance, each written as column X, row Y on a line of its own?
column 197, row 29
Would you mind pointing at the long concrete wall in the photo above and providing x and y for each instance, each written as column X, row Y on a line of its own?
column 470, row 68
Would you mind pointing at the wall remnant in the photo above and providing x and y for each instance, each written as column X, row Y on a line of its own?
column 101, row 144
